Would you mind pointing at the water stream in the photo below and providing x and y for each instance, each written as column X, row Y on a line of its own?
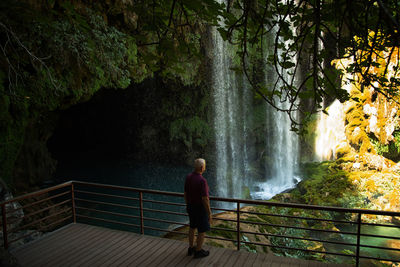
column 247, row 167
column 330, row 131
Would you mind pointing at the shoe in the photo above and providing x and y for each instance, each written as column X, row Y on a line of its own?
column 191, row 251
column 201, row 253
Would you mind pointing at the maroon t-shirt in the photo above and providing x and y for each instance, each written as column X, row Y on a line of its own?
column 196, row 187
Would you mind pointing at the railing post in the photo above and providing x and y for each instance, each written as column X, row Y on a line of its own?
column 238, row 224
column 141, row 213
column 358, row 239
column 4, row 217
column 73, row 202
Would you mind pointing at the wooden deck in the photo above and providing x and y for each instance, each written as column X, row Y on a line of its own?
column 85, row 245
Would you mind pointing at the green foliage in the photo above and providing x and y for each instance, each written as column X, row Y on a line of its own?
column 169, row 34
column 296, row 29
column 53, row 60
column 248, row 247
column 292, row 232
column 391, row 150
column 222, row 233
column 214, row 244
column 308, row 135
column 288, row 242
column 183, row 113
column 324, row 184
column 13, row 120
column 379, row 147
column 191, row 131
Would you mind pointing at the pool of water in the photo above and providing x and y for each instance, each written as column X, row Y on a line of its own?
column 391, row 232
column 138, row 175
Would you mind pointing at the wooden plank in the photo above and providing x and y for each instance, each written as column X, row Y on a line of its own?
column 167, row 256
column 180, row 255
column 61, row 257
column 179, row 252
column 102, row 249
column 37, row 246
column 137, row 251
column 251, row 259
column 258, row 262
column 224, row 258
column 125, row 250
column 42, row 250
column 44, row 253
column 84, row 245
column 158, row 253
column 233, row 259
column 241, row 259
column 191, row 261
column 66, row 228
column 184, row 259
column 59, row 254
column 212, row 259
column 114, row 250
column 148, row 253
column 218, row 261
column 264, row 259
column 84, row 248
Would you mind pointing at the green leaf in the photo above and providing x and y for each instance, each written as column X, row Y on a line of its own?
column 287, row 64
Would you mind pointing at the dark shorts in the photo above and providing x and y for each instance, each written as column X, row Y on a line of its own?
column 198, row 217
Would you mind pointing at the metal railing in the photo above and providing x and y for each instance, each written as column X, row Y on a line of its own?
column 32, row 211
column 132, row 209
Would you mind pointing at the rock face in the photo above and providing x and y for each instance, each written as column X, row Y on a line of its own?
column 371, row 119
column 15, row 216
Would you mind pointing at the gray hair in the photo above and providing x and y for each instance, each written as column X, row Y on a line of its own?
column 199, row 163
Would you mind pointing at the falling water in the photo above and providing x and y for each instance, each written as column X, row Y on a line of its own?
column 283, row 147
column 236, row 152
column 232, row 105
column 330, row 131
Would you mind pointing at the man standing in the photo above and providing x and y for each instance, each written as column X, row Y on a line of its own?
column 198, row 207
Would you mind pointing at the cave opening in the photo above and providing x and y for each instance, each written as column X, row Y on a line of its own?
column 115, row 129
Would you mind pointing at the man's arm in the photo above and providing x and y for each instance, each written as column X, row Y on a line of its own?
column 206, row 204
column 184, row 195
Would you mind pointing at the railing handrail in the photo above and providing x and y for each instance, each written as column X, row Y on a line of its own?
column 36, row 193
column 246, row 201
column 236, row 210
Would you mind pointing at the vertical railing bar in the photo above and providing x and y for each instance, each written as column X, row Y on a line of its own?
column 238, row 224
column 358, row 240
column 141, row 212
column 73, row 202
column 4, row 217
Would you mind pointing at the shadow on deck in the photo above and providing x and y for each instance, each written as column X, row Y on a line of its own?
column 86, row 245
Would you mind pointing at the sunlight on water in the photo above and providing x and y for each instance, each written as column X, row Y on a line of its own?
column 267, row 190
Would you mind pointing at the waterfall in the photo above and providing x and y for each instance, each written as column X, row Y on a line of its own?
column 232, row 103
column 238, row 159
column 330, row 131
column 283, row 146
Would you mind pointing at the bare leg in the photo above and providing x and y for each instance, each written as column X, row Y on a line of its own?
column 200, row 240
column 191, row 236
